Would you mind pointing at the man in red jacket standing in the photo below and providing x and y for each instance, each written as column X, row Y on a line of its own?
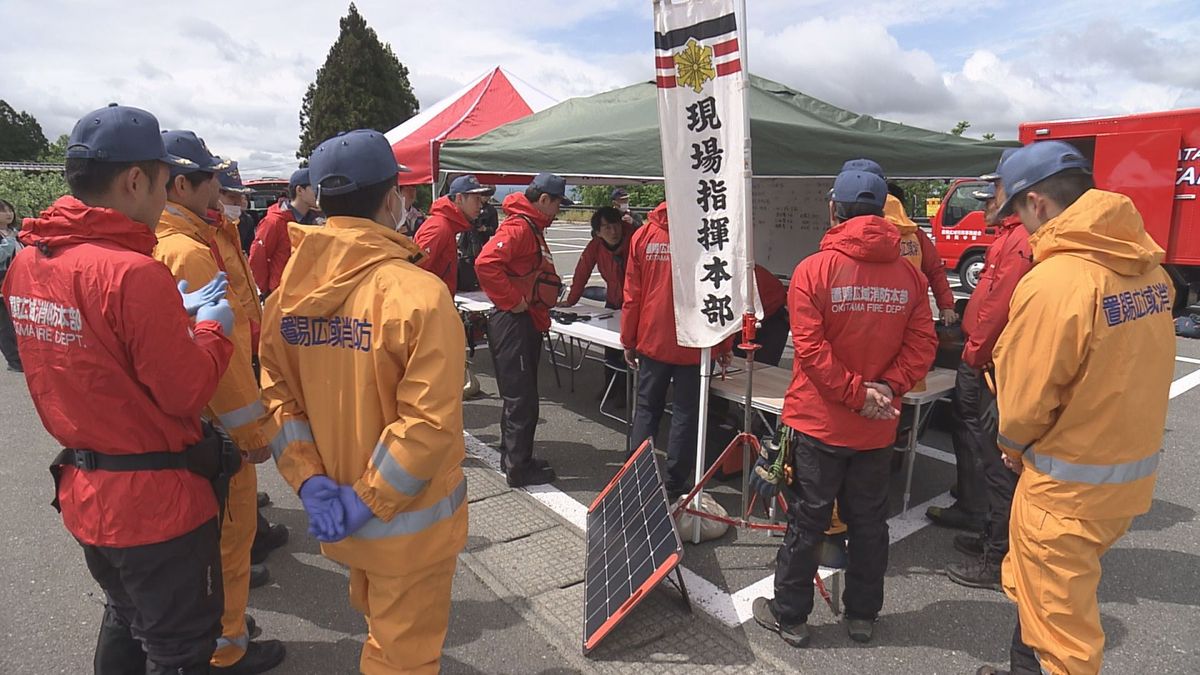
column 272, row 247
column 1008, row 259
column 119, row 375
column 652, row 348
column 608, row 250
column 516, row 270
column 863, row 333
column 448, row 217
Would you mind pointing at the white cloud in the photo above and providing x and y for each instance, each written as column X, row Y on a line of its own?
column 236, row 72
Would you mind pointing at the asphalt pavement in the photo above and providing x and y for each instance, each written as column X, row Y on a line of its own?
column 1150, row 593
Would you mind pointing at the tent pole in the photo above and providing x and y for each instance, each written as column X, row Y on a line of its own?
column 749, row 323
column 701, row 437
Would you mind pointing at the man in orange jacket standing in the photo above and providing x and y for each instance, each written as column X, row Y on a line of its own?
column 863, row 333
column 516, row 270
column 271, row 248
column 1083, row 375
column 357, row 342
column 194, row 250
column 119, row 374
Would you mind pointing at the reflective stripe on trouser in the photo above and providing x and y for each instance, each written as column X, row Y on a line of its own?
column 1052, row 571
column 237, row 536
column 407, row 618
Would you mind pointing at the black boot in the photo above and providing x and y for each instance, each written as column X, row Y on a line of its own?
column 981, row 572
column 260, row 657
column 956, row 517
column 117, row 651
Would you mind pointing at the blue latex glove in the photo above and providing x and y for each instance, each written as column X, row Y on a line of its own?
column 326, row 517
column 220, row 312
column 357, row 512
column 207, row 294
column 765, row 489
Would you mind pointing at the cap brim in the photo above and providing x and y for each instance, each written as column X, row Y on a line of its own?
column 983, row 197
column 566, row 202
column 489, row 191
column 400, row 168
column 176, row 162
column 990, row 177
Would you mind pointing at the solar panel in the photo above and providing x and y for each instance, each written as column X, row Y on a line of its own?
column 632, row 544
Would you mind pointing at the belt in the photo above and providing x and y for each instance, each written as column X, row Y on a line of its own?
column 90, row 460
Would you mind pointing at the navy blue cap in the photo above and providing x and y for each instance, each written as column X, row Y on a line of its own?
column 231, row 179
column 864, row 164
column 985, row 192
column 299, row 178
column 352, row 160
column 552, row 185
column 995, row 175
column 618, row 194
column 1036, row 162
column 119, row 133
column 188, row 145
column 469, row 185
column 859, row 187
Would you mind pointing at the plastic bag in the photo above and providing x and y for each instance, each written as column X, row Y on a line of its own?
column 709, row 529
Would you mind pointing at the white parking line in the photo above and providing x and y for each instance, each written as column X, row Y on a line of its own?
column 707, row 595
column 1185, row 359
column 899, row 527
column 1185, row 383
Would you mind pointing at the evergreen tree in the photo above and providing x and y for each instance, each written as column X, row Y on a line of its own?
column 361, row 86
column 21, row 137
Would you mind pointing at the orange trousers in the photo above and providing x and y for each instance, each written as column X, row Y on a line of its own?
column 407, row 618
column 237, row 536
column 1052, row 572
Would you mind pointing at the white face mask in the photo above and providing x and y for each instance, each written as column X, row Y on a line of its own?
column 233, row 211
column 399, row 226
column 623, row 206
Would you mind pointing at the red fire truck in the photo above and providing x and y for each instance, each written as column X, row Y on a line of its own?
column 1153, row 158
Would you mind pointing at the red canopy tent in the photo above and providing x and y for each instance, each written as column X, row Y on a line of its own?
column 492, row 99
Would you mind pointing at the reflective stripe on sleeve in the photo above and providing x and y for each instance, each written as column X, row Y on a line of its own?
column 243, row 415
column 397, row 476
column 1009, row 443
column 291, row 432
column 1095, row 474
column 412, row 522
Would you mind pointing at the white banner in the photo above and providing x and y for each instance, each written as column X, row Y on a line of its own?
column 704, row 125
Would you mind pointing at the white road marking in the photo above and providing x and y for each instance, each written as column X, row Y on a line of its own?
column 707, row 595
column 899, row 527
column 1185, row 383
column 1185, row 359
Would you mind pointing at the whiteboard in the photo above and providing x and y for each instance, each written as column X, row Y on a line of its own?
column 790, row 217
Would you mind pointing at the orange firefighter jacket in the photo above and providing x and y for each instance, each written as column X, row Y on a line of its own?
column 357, row 346
column 185, row 247
column 917, row 248
column 1084, row 366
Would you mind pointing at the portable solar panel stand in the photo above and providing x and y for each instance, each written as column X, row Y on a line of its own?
column 632, row 545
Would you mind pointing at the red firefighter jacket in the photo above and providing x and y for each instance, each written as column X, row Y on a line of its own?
column 648, row 315
column 771, row 293
column 859, row 313
column 438, row 237
column 271, row 248
column 512, row 254
column 612, row 268
column 1006, row 261
column 113, row 365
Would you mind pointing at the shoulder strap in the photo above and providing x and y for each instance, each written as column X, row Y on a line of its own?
column 537, row 236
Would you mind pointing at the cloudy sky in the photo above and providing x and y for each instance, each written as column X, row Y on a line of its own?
column 236, row 72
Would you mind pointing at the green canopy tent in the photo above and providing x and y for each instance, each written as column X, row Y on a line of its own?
column 613, row 137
